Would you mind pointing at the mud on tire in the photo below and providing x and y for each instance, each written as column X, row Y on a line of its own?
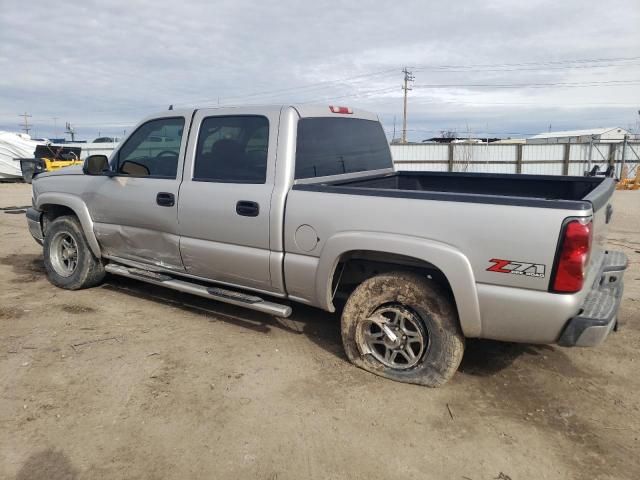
column 62, row 240
column 425, row 302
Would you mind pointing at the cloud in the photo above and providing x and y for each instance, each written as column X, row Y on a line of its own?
column 105, row 65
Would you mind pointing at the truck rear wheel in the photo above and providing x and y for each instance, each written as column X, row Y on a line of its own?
column 403, row 327
column 68, row 259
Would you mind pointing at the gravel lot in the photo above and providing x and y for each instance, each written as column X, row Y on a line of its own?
column 133, row 381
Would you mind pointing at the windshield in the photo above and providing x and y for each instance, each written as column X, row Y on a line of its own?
column 331, row 146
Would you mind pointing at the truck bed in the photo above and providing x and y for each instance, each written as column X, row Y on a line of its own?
column 545, row 191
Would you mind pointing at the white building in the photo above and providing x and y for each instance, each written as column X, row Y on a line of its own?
column 604, row 135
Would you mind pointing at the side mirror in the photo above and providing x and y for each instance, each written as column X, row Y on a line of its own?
column 96, row 165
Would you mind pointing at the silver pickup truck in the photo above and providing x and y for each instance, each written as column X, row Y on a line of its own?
column 264, row 206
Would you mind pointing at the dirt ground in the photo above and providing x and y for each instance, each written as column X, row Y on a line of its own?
column 133, row 381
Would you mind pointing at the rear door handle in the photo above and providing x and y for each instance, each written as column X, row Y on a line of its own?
column 247, row 208
column 166, row 199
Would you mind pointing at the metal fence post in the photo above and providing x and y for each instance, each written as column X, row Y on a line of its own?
column 622, row 159
column 565, row 161
column 612, row 155
column 590, row 153
column 451, row 146
column 519, row 158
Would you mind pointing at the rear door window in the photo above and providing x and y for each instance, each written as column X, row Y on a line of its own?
column 331, row 146
column 232, row 149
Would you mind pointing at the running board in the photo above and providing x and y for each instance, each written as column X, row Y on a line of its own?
column 213, row 293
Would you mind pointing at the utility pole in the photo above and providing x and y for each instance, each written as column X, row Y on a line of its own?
column 408, row 77
column 55, row 126
column 25, row 126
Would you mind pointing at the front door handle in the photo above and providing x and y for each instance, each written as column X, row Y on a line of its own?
column 247, row 208
column 166, row 199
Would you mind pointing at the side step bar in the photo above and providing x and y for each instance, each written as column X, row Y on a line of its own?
column 213, row 293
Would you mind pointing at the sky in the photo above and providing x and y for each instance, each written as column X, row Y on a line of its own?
column 494, row 68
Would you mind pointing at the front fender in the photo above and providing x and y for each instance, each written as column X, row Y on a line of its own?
column 79, row 208
column 449, row 260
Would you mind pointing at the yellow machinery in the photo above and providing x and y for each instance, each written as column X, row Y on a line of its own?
column 48, row 158
column 627, row 180
column 629, row 183
column 53, row 164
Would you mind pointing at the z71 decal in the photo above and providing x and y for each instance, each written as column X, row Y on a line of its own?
column 516, row 268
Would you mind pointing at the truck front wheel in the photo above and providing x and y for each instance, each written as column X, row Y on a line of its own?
column 68, row 259
column 403, row 327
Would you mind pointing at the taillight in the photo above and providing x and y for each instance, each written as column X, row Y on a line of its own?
column 345, row 110
column 573, row 257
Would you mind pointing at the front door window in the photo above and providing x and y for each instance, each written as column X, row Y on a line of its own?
column 153, row 150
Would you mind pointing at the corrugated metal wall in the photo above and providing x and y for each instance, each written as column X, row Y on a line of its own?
column 542, row 159
column 549, row 159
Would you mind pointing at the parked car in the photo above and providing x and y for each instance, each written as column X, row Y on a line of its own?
column 265, row 207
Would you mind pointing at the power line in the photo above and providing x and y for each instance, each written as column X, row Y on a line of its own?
column 531, row 85
column 357, row 78
column 555, row 104
column 519, row 69
column 318, row 86
column 525, row 64
column 329, row 83
column 361, row 94
column 438, row 69
column 324, row 83
column 308, row 87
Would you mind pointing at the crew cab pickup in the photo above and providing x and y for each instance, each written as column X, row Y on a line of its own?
column 264, row 207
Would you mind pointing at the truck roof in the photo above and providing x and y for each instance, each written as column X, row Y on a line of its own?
column 304, row 110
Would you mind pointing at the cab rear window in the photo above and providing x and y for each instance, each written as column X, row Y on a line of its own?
column 331, row 146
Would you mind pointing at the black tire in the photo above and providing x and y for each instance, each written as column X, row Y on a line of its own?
column 425, row 302
column 88, row 271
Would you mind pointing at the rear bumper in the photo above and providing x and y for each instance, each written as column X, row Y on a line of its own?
column 599, row 313
column 35, row 225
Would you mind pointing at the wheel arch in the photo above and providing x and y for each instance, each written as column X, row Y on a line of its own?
column 54, row 205
column 451, row 267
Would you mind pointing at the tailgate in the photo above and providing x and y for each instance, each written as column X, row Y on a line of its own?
column 602, row 290
column 600, row 199
column 598, row 208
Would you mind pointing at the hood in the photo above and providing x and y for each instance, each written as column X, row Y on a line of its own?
column 72, row 170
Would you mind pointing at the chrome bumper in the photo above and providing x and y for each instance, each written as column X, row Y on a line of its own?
column 35, row 225
column 599, row 313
